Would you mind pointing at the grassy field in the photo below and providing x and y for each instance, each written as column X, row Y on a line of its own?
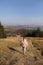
column 11, row 53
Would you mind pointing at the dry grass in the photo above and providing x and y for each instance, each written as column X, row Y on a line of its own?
column 11, row 53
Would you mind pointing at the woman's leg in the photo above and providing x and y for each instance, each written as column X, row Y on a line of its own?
column 24, row 50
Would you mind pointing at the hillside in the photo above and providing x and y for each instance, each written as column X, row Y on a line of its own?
column 11, row 53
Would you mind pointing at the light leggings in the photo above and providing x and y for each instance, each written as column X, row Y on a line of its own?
column 24, row 50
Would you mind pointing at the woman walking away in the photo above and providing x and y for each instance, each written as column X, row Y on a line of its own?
column 24, row 45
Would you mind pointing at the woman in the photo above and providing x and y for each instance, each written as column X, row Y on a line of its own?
column 24, row 44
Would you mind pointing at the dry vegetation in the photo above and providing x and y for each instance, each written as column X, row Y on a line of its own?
column 11, row 53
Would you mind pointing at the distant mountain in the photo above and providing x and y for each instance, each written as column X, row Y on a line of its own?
column 24, row 26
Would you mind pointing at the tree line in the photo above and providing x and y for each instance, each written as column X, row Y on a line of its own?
column 34, row 33
column 30, row 33
column 23, row 32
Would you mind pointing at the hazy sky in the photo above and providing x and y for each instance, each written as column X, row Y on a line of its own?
column 18, row 12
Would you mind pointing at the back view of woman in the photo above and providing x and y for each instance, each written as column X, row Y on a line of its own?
column 24, row 44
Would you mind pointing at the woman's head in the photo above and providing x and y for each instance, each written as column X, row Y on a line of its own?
column 23, row 38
